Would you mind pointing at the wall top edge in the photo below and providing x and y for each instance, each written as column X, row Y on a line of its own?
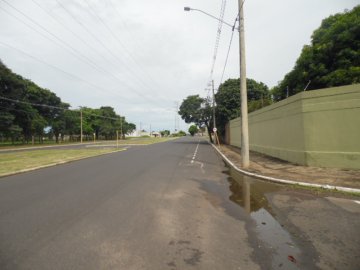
column 299, row 97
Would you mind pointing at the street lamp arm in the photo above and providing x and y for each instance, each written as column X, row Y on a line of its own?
column 212, row 16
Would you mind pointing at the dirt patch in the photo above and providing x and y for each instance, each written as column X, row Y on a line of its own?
column 269, row 166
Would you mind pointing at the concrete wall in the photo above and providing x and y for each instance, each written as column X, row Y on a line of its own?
column 314, row 128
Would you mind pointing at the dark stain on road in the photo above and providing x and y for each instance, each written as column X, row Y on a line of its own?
column 195, row 256
column 185, row 252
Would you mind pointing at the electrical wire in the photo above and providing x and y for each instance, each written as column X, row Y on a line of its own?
column 67, row 47
column 93, row 11
column 96, row 87
column 56, row 107
column 217, row 40
column 139, row 79
column 227, row 55
column 33, row 57
column 86, row 44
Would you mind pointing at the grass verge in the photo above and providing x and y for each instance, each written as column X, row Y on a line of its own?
column 324, row 191
column 17, row 162
column 127, row 141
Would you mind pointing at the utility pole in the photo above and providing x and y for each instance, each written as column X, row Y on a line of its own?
column 117, row 139
column 213, row 103
column 214, row 120
column 121, row 128
column 81, row 126
column 177, row 127
column 243, row 92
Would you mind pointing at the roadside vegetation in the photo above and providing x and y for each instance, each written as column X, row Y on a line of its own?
column 15, row 162
column 19, row 161
column 319, row 191
column 332, row 59
column 193, row 129
column 178, row 134
column 29, row 114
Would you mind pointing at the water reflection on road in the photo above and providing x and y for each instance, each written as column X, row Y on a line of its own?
column 249, row 193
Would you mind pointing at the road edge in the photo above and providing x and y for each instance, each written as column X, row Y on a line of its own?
column 283, row 181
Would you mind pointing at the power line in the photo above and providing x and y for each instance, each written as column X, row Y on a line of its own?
column 217, row 40
column 104, row 46
column 96, row 87
column 227, row 55
column 59, row 40
column 32, row 28
column 86, row 44
column 118, row 40
column 69, row 29
column 57, row 107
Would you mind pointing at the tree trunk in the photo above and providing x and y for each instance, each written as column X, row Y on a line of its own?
column 209, row 133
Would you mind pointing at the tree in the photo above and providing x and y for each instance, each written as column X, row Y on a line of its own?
column 128, row 128
column 165, row 133
column 228, row 100
column 27, row 110
column 195, row 109
column 332, row 59
column 193, row 129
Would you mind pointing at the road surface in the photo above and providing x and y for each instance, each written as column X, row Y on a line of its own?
column 164, row 206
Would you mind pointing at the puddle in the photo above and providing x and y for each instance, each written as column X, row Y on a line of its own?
column 250, row 193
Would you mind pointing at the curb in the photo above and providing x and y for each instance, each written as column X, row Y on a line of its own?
column 284, row 181
column 55, row 164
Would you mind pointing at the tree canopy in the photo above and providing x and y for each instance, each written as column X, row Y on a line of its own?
column 228, row 100
column 332, row 59
column 27, row 110
column 195, row 109
column 193, row 129
column 198, row 110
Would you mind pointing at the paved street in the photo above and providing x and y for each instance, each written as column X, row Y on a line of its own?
column 167, row 206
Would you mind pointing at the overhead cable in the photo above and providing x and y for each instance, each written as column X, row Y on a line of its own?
column 227, row 55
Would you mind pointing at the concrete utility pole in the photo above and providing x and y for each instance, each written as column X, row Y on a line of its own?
column 121, row 128
column 243, row 92
column 81, row 126
column 117, row 139
column 213, row 103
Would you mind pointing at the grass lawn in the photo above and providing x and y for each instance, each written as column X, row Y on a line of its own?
column 129, row 140
column 20, row 161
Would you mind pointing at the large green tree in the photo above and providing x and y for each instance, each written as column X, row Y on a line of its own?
column 195, row 109
column 27, row 110
column 228, row 100
column 34, row 107
column 332, row 58
column 193, row 129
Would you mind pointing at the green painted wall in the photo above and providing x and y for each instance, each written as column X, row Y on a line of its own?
column 314, row 128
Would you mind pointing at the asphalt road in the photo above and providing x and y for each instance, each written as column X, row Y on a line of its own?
column 161, row 206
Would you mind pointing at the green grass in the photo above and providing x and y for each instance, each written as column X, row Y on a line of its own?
column 19, row 161
column 8, row 145
column 324, row 191
column 128, row 140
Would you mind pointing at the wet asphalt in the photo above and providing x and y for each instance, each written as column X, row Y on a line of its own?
column 168, row 206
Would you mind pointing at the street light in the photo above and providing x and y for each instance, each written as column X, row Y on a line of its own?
column 212, row 16
column 243, row 91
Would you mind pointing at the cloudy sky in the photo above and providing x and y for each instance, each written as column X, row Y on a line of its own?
column 143, row 57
